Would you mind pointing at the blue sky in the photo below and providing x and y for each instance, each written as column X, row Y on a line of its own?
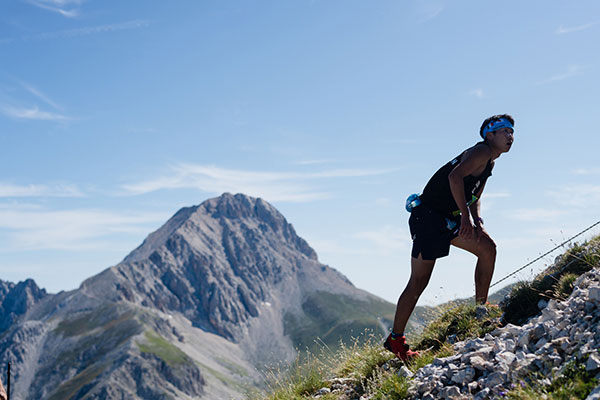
column 113, row 115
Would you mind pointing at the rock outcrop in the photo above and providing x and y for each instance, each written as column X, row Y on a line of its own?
column 16, row 300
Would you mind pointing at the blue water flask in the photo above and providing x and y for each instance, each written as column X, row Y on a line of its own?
column 413, row 201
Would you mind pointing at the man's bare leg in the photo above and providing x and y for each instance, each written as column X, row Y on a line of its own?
column 485, row 250
column 419, row 278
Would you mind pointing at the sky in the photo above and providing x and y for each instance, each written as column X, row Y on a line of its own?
column 115, row 114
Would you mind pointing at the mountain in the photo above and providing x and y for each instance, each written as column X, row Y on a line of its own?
column 16, row 300
column 219, row 292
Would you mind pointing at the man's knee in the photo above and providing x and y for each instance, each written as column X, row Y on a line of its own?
column 487, row 250
column 418, row 283
column 492, row 250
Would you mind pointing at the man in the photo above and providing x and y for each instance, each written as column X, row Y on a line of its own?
column 449, row 214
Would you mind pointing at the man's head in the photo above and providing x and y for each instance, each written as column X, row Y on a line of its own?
column 495, row 123
column 498, row 132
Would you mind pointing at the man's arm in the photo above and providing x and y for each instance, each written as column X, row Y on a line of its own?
column 475, row 208
column 472, row 162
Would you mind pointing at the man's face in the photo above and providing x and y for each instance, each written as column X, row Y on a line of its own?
column 503, row 139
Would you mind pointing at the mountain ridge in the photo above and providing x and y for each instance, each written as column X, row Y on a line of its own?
column 221, row 290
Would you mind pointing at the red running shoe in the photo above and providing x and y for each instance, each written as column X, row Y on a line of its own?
column 400, row 348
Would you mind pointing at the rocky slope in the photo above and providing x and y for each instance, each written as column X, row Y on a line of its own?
column 552, row 355
column 221, row 289
column 487, row 367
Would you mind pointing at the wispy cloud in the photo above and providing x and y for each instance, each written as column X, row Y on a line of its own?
column 79, row 32
column 388, row 239
column 20, row 104
column 74, row 230
column 313, row 162
column 384, row 201
column 273, row 186
column 564, row 30
column 33, row 113
column 428, row 10
column 477, row 93
column 577, row 196
column 92, row 30
column 66, row 8
column 572, row 70
column 60, row 190
column 536, row 214
column 41, row 96
column 586, row 171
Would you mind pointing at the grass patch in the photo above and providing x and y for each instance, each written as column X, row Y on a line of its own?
column 554, row 283
column 70, row 388
column 461, row 322
column 296, row 382
column 103, row 317
column 160, row 347
column 364, row 364
column 387, row 386
column 574, row 383
column 360, row 360
column 564, row 287
column 220, row 376
column 232, row 367
column 96, row 345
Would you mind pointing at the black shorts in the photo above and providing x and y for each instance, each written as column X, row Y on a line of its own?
column 430, row 233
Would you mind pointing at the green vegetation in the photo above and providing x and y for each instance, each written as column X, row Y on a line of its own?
column 70, row 388
column 99, row 342
column 331, row 317
column 574, row 383
column 160, row 347
column 553, row 283
column 368, row 369
column 364, row 365
column 460, row 322
column 389, row 387
column 222, row 377
column 103, row 317
column 93, row 336
column 232, row 367
column 296, row 382
column 564, row 287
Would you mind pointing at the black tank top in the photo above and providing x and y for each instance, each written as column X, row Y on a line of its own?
column 437, row 194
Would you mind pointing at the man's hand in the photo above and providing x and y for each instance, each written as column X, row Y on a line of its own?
column 466, row 227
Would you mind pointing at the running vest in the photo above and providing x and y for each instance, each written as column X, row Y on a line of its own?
column 437, row 194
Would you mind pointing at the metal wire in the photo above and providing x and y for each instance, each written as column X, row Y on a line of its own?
column 545, row 254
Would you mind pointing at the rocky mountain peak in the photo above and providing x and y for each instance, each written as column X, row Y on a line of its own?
column 227, row 209
column 217, row 263
column 17, row 299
